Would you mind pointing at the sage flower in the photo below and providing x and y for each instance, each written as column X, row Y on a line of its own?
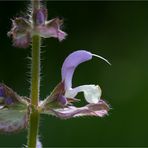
column 60, row 102
column 15, row 110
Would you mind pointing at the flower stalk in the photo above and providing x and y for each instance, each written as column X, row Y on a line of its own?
column 35, row 83
column 33, row 129
column 35, row 70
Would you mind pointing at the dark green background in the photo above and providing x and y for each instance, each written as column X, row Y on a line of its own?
column 116, row 30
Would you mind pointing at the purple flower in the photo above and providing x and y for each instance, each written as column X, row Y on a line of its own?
column 59, row 103
column 23, row 29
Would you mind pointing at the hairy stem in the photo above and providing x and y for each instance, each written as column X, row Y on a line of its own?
column 35, row 84
column 35, row 4
column 35, row 70
column 33, row 129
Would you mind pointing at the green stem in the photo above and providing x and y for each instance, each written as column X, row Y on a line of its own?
column 35, row 70
column 35, row 87
column 35, row 4
column 35, row 84
column 33, row 129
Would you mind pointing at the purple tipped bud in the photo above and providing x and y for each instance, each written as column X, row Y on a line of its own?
column 40, row 16
column 2, row 91
column 62, row 100
column 8, row 101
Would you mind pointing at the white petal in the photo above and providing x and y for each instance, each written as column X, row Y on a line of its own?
column 39, row 144
column 92, row 93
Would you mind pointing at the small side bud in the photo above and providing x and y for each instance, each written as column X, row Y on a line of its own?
column 40, row 16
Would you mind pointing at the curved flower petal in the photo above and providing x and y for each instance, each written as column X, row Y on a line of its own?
column 70, row 63
column 92, row 93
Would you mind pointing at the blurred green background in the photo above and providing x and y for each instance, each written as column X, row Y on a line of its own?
column 117, row 31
